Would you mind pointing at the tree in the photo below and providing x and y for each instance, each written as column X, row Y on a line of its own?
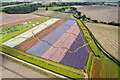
column 46, row 8
column 83, row 17
column 79, row 13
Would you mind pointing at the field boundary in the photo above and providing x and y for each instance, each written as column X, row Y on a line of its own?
column 33, row 65
column 101, row 47
column 46, row 64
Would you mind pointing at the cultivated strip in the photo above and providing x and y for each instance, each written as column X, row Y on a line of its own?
column 26, row 45
column 41, row 47
column 24, row 36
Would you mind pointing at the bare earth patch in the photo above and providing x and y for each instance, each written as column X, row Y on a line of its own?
column 43, row 12
column 7, row 19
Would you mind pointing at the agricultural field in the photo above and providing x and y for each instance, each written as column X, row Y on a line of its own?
column 58, row 40
column 105, row 69
column 60, row 15
column 53, row 14
column 51, row 8
column 107, row 35
column 43, row 12
column 12, row 31
column 8, row 19
column 100, row 13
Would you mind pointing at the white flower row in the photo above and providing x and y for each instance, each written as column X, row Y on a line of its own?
column 24, row 36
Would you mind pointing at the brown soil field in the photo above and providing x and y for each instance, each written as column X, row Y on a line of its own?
column 11, row 19
column 19, row 22
column 107, row 35
column 101, row 13
column 96, row 69
column 32, row 41
column 103, row 68
column 43, row 12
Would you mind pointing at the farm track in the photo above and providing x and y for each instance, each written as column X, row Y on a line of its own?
column 34, row 39
column 15, row 73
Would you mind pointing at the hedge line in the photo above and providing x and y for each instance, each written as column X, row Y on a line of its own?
column 88, row 64
column 92, row 44
column 50, row 67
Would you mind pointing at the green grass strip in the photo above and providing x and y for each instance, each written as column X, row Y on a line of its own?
column 20, row 29
column 88, row 64
column 50, row 67
column 92, row 44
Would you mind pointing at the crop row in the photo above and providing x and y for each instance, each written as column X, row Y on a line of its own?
column 57, row 52
column 24, row 36
column 76, row 58
column 12, row 31
column 41, row 47
column 26, row 45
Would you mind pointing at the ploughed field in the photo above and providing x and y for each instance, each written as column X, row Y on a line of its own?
column 107, row 35
column 12, row 19
column 103, row 68
column 55, row 39
column 101, row 13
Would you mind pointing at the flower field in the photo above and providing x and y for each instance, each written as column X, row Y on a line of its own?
column 22, row 37
column 58, row 40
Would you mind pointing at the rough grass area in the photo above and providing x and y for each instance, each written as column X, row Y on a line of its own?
column 51, row 8
column 103, row 68
column 107, row 35
column 49, row 65
column 60, row 15
column 92, row 44
column 12, row 31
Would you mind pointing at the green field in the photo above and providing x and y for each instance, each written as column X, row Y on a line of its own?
column 60, row 15
column 12, row 31
column 103, row 68
column 51, row 8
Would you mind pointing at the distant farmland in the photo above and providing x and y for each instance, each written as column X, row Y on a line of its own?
column 12, row 19
column 101, row 13
column 107, row 35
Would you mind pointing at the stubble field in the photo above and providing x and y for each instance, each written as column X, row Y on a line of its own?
column 101, row 13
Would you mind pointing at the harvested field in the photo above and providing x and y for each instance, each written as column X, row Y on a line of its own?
column 11, row 18
column 104, row 69
column 43, row 12
column 41, row 47
column 57, row 54
column 101, row 13
column 32, row 41
column 61, row 15
column 107, row 35
column 24, row 36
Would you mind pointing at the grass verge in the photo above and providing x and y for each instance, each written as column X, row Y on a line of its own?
column 59, row 70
